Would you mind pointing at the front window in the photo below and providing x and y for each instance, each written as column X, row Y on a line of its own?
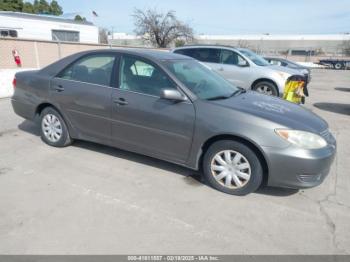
column 258, row 60
column 229, row 57
column 202, row 81
column 142, row 77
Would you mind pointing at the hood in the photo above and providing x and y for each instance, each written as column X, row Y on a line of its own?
column 277, row 110
column 284, row 69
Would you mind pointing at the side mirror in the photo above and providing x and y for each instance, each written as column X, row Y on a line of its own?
column 243, row 63
column 172, row 94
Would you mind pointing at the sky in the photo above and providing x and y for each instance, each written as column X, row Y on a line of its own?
column 225, row 17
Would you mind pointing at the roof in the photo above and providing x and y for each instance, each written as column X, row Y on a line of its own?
column 43, row 17
column 147, row 53
column 205, row 46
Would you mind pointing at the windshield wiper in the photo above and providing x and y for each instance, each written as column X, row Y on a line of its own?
column 237, row 92
column 218, row 97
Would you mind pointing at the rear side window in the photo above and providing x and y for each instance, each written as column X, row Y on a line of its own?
column 208, row 55
column 187, row 52
column 95, row 69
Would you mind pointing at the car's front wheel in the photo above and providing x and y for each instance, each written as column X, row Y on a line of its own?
column 266, row 88
column 54, row 130
column 232, row 167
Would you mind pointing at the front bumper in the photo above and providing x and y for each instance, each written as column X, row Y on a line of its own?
column 293, row 167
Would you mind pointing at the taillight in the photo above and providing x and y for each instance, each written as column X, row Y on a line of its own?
column 14, row 83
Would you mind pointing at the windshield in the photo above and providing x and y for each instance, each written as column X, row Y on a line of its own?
column 258, row 60
column 202, row 81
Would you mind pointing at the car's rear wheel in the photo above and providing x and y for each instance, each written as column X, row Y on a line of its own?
column 338, row 66
column 232, row 167
column 266, row 88
column 53, row 128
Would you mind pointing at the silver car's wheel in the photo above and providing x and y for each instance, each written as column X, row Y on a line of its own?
column 51, row 128
column 265, row 90
column 231, row 169
column 266, row 87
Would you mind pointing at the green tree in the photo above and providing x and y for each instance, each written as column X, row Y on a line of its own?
column 28, row 8
column 79, row 18
column 38, row 7
column 41, row 7
column 55, row 8
column 11, row 5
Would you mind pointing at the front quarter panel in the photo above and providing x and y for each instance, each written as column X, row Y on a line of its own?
column 213, row 120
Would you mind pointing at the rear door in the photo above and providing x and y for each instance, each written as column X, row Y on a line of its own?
column 144, row 122
column 83, row 92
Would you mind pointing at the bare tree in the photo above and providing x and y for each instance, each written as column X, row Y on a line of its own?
column 160, row 29
column 103, row 36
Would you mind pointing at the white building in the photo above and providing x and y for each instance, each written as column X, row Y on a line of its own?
column 44, row 27
column 300, row 44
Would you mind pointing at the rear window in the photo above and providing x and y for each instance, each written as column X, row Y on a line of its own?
column 93, row 69
column 209, row 55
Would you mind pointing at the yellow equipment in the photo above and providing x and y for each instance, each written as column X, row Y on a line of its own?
column 294, row 91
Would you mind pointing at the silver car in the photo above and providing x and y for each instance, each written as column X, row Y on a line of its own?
column 173, row 108
column 242, row 67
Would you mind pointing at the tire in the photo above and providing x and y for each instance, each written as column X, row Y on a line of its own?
column 53, row 128
column 236, row 149
column 266, row 87
column 338, row 66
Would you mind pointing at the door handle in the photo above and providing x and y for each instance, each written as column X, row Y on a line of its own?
column 120, row 101
column 221, row 69
column 59, row 88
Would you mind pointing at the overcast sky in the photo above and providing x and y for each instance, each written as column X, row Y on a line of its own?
column 226, row 16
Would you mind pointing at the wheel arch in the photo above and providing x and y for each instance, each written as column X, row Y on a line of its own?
column 44, row 105
column 244, row 141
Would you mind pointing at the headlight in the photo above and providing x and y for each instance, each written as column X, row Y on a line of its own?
column 302, row 139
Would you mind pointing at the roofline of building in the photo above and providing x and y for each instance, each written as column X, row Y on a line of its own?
column 276, row 37
column 251, row 37
column 44, row 18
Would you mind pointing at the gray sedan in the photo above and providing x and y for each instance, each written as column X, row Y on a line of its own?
column 171, row 107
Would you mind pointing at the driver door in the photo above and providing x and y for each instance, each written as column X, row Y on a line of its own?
column 145, row 123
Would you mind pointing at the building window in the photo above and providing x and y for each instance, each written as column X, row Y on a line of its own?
column 6, row 33
column 66, row 36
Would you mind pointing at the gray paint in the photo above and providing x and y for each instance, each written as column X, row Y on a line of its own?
column 176, row 131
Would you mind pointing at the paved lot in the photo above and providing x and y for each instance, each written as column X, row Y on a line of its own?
column 92, row 199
